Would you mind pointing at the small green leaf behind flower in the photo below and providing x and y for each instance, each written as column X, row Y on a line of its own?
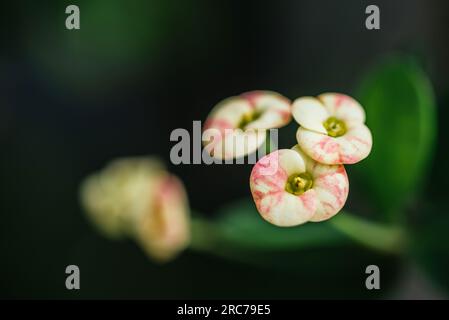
column 400, row 107
column 305, row 255
column 238, row 233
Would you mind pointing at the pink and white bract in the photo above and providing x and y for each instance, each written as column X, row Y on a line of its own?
column 137, row 197
column 237, row 125
column 164, row 230
column 332, row 129
column 289, row 188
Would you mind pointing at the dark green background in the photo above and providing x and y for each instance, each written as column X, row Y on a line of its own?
column 72, row 100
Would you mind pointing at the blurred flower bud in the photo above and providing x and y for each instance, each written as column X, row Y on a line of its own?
column 138, row 198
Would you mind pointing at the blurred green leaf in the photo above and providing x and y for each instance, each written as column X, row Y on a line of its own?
column 241, row 224
column 386, row 238
column 249, row 240
column 312, row 260
column 115, row 37
column 400, row 110
column 239, row 233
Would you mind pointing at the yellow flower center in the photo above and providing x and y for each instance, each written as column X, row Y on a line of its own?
column 299, row 183
column 335, row 127
column 249, row 117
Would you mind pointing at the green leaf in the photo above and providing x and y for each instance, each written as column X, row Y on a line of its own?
column 400, row 109
column 241, row 224
column 239, row 233
column 386, row 238
column 312, row 260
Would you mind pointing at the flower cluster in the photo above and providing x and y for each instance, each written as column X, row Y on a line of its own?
column 308, row 182
column 136, row 197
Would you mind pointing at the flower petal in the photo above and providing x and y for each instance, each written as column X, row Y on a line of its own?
column 235, row 143
column 137, row 197
column 273, row 107
column 120, row 192
column 331, row 185
column 310, row 113
column 350, row 148
column 288, row 210
column 164, row 230
column 225, row 140
column 319, row 147
column 355, row 145
column 343, row 107
column 228, row 113
column 267, row 183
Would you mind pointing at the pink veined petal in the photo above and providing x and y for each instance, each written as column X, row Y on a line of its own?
column 331, row 185
column 355, row 145
column 173, row 205
column 288, row 210
column 164, row 230
column 267, row 183
column 350, row 148
column 310, row 114
column 343, row 107
column 214, row 132
column 274, row 108
column 318, row 146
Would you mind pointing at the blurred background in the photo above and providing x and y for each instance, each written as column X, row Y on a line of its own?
column 72, row 100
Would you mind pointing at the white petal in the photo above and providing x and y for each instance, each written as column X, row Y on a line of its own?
column 291, row 162
column 229, row 111
column 274, row 108
column 343, row 107
column 310, row 113
column 236, row 143
column 309, row 162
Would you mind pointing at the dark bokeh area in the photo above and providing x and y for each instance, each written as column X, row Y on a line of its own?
column 72, row 100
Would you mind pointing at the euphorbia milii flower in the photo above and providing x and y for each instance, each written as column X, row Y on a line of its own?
column 165, row 230
column 332, row 129
column 238, row 124
column 138, row 198
column 289, row 188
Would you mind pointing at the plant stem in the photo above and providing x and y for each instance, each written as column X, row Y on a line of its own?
column 203, row 234
column 385, row 238
column 206, row 236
